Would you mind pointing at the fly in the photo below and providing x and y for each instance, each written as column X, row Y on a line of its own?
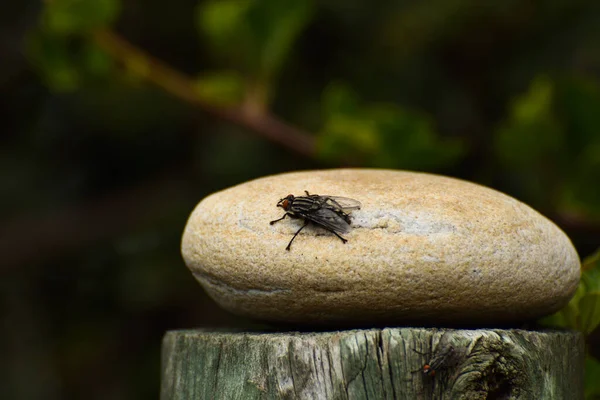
column 440, row 360
column 328, row 212
column 444, row 356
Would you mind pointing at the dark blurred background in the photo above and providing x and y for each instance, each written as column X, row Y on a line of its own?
column 118, row 116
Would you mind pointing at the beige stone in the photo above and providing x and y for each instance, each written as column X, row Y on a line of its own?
column 423, row 249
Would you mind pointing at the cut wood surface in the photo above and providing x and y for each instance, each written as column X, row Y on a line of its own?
column 373, row 364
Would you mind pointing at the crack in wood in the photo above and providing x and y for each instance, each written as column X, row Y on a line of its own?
column 292, row 369
column 220, row 353
column 390, row 363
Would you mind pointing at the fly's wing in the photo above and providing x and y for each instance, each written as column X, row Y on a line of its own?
column 342, row 203
column 328, row 219
column 443, row 357
column 442, row 352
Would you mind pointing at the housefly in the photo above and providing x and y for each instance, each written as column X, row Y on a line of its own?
column 439, row 360
column 328, row 212
column 444, row 356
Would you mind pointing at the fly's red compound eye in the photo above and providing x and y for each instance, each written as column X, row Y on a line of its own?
column 285, row 204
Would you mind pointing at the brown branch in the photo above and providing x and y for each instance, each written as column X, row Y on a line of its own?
column 27, row 239
column 182, row 86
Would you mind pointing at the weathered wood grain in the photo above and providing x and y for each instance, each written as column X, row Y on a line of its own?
column 373, row 364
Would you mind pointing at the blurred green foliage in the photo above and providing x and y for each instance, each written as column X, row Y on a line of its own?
column 591, row 382
column 224, row 88
column 381, row 135
column 550, row 133
column 504, row 93
column 59, row 48
column 583, row 311
column 67, row 17
column 261, row 33
column 583, row 314
column 253, row 36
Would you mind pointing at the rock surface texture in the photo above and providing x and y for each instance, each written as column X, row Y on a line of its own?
column 423, row 249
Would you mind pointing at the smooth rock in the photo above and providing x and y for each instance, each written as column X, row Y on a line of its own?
column 423, row 249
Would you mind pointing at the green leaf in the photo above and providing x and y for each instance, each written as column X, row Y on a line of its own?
column 589, row 311
column 589, row 304
column 222, row 20
column 583, row 311
column 223, row 87
column 564, row 318
column 591, row 261
column 530, row 143
column 549, row 143
column 344, row 136
column 278, row 24
column 591, row 381
column 255, row 36
column 52, row 59
column 535, row 104
column 345, row 132
column 65, row 64
column 531, row 136
column 569, row 315
column 578, row 104
column 379, row 134
column 96, row 61
column 76, row 16
column 339, row 99
column 579, row 100
column 581, row 191
column 590, row 278
column 409, row 139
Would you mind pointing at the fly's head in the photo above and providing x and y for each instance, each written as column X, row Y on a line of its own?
column 427, row 370
column 286, row 202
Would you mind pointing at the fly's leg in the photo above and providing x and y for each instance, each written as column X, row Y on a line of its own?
column 272, row 222
column 341, row 238
column 296, row 234
column 423, row 354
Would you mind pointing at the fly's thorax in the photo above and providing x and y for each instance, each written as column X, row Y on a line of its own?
column 302, row 205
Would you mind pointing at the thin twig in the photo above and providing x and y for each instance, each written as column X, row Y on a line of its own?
column 181, row 86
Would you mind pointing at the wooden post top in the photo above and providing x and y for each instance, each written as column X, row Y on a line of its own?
column 391, row 363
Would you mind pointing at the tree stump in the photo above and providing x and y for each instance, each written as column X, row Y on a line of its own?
column 393, row 363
